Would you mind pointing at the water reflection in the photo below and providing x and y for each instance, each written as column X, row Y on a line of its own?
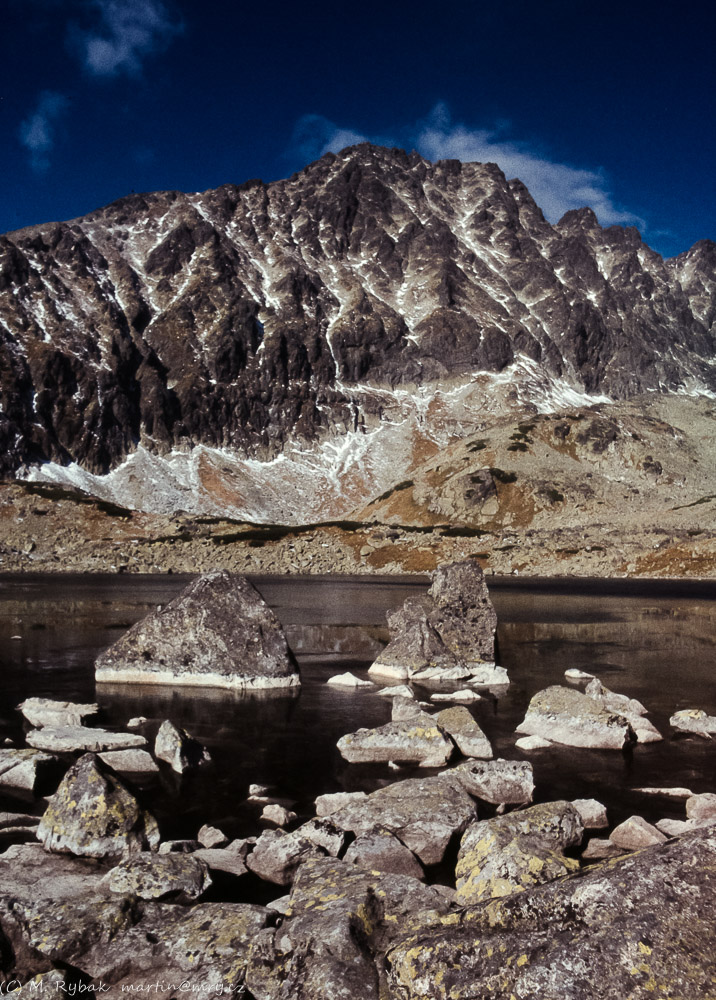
column 655, row 643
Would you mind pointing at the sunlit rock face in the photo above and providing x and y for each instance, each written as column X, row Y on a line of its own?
column 372, row 292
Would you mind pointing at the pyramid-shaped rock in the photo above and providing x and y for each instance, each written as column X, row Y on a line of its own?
column 219, row 632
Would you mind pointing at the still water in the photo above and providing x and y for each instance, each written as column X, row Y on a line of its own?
column 655, row 641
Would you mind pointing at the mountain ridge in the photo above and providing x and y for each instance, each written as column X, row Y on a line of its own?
column 297, row 320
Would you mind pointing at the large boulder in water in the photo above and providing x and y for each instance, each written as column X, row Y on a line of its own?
column 93, row 814
column 219, row 632
column 563, row 715
column 451, row 630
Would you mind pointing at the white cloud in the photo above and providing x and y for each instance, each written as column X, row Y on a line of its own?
column 556, row 187
column 37, row 132
column 128, row 32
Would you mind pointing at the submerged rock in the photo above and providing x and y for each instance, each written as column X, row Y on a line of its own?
column 219, row 632
column 93, row 814
column 418, row 740
column 563, row 715
column 637, row 926
column 48, row 712
column 448, row 633
column 510, row 853
column 349, row 680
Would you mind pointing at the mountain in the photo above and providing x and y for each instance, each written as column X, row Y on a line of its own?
column 287, row 351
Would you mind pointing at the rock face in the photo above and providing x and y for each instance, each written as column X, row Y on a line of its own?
column 449, row 632
column 218, row 632
column 25, row 769
column 563, row 715
column 418, row 740
column 92, row 814
column 380, row 850
column 250, row 316
column 570, row 939
column 500, row 782
column 514, row 852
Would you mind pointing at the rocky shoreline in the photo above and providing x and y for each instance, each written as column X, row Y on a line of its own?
column 450, row 885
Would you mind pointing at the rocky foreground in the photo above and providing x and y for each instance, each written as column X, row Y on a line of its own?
column 453, row 885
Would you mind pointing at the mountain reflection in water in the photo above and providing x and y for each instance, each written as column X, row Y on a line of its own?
column 654, row 641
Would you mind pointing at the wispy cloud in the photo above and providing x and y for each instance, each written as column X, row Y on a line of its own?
column 556, row 187
column 38, row 130
column 128, row 32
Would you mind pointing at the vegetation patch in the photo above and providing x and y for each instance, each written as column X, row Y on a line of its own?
column 457, row 532
column 554, row 496
column 517, row 446
column 685, row 506
column 477, row 445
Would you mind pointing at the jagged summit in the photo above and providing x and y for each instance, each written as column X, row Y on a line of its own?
column 266, row 320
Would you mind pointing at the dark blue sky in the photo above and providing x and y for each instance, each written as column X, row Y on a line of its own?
column 607, row 104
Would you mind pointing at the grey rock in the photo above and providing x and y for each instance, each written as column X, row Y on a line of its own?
column 130, row 761
column 277, row 855
column 64, row 739
column 209, row 836
column 510, row 853
column 327, row 804
column 25, row 769
column 416, row 740
column 612, row 931
column 599, row 848
column 592, row 813
column 424, row 813
column 447, row 633
column 183, row 877
column 93, row 814
column 631, row 709
column 508, row 782
column 397, row 691
column 48, row 712
column 532, row 743
column 694, row 721
column 277, row 814
column 635, row 833
column 465, row 696
column 405, row 708
column 220, row 860
column 674, row 827
column 178, row 749
column 323, row 833
column 349, row 680
column 563, row 715
column 470, row 739
column 701, row 807
column 380, row 850
column 218, row 632
column 339, row 915
column 179, row 846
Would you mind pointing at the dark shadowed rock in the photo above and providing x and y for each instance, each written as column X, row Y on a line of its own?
column 381, row 851
column 511, row 853
column 178, row 749
column 93, row 814
column 218, row 632
column 638, row 926
column 449, row 632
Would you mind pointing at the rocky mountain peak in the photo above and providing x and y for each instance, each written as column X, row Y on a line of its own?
column 258, row 318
